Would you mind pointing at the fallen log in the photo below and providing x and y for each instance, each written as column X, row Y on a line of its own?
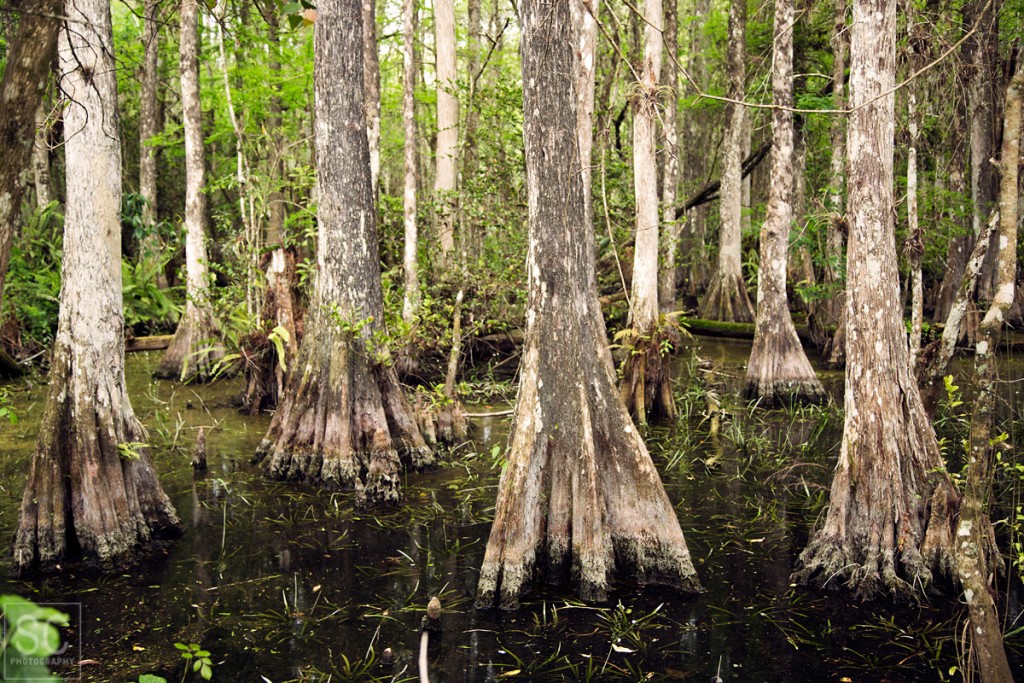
column 154, row 343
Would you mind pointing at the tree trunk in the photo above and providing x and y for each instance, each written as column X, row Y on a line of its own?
column 698, row 127
column 411, row 296
column 584, row 17
column 885, row 530
column 91, row 486
column 778, row 369
column 275, row 200
column 977, row 557
column 952, row 330
column 580, row 497
column 832, row 307
column 727, row 298
column 981, row 53
column 344, row 420
column 914, row 244
column 266, row 368
column 29, row 58
column 41, row 157
column 645, row 373
column 371, row 83
column 670, row 169
column 149, row 126
column 447, row 126
column 195, row 349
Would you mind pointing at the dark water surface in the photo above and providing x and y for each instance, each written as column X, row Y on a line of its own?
column 282, row 582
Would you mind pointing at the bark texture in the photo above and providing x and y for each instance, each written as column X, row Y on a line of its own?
column 447, row 126
column 344, row 420
column 778, row 369
column 977, row 556
column 981, row 53
column 885, row 530
column 371, row 85
column 670, row 163
column 584, row 17
column 411, row 296
column 195, row 349
column 41, row 157
column 29, row 58
column 580, row 497
column 727, row 298
column 92, row 488
column 834, row 307
column 149, row 126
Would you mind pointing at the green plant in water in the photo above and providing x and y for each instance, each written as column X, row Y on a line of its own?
column 30, row 637
column 197, row 659
column 7, row 407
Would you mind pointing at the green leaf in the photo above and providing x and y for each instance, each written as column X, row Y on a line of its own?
column 150, row 678
column 206, row 673
column 35, row 638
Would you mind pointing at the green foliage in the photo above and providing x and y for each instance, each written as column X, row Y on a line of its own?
column 131, row 450
column 7, row 406
column 145, row 304
column 32, row 289
column 30, row 637
column 197, row 659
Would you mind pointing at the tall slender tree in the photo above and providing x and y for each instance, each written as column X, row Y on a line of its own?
column 580, row 496
column 344, row 420
column 371, row 83
column 149, row 127
column 91, row 485
column 645, row 375
column 778, row 369
column 670, row 162
column 195, row 349
column 977, row 558
column 447, row 125
column 834, row 308
column 727, row 298
column 885, row 530
column 411, row 296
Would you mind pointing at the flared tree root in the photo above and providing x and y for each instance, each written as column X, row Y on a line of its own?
column 580, row 499
column 92, row 491
column 779, row 372
column 344, row 423
column 880, row 555
column 194, row 352
column 727, row 299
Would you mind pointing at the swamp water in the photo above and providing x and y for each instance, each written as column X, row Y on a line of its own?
column 282, row 582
